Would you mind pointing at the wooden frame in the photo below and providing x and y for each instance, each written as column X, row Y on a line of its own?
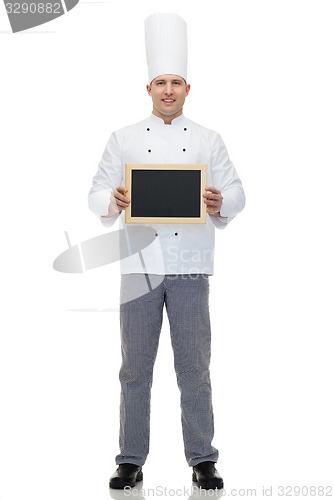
column 192, row 206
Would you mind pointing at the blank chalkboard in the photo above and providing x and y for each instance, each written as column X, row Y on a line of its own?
column 165, row 193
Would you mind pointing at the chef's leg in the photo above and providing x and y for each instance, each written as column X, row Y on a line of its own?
column 187, row 304
column 140, row 321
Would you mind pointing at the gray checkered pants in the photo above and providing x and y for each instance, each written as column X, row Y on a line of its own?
column 186, row 298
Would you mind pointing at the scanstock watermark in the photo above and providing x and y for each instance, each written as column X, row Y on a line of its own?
column 130, row 242
column 24, row 15
column 108, row 248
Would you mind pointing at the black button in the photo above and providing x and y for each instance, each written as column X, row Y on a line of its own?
column 148, row 129
column 176, row 234
column 185, row 129
column 184, row 149
column 156, row 234
column 149, row 150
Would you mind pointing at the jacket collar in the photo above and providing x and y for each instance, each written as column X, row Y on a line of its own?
column 177, row 121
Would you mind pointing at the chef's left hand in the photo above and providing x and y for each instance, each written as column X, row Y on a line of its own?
column 213, row 200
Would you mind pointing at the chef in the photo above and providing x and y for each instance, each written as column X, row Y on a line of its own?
column 173, row 271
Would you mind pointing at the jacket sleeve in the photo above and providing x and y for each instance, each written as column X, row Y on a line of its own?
column 225, row 178
column 107, row 178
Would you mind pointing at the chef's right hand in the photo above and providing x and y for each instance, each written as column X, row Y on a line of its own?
column 118, row 201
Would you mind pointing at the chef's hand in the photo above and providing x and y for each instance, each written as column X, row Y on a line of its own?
column 213, row 200
column 118, row 201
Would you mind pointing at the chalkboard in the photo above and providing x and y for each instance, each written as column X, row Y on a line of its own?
column 165, row 193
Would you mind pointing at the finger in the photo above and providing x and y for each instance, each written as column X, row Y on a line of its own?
column 122, row 204
column 212, row 205
column 210, row 196
column 213, row 208
column 119, row 196
column 122, row 199
column 121, row 189
column 212, row 189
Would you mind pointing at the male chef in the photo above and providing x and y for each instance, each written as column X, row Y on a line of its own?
column 173, row 271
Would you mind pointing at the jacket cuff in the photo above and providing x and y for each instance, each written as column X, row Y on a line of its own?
column 231, row 206
column 219, row 222
column 99, row 202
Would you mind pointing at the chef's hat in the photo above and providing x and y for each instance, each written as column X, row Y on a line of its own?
column 166, row 45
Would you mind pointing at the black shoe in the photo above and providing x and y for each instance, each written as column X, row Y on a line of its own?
column 207, row 477
column 126, row 475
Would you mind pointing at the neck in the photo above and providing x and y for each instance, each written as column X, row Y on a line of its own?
column 167, row 119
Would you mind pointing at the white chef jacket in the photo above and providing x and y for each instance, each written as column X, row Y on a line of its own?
column 177, row 248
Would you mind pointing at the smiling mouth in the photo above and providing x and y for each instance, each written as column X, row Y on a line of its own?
column 168, row 101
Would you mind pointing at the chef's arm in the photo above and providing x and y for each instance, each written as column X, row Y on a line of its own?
column 226, row 180
column 101, row 198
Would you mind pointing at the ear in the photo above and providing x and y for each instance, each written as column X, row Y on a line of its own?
column 149, row 89
column 187, row 88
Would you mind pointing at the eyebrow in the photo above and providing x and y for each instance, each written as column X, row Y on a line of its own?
column 179, row 80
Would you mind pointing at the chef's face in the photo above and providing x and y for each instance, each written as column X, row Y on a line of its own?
column 168, row 94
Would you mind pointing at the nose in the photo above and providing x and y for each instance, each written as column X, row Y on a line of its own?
column 168, row 88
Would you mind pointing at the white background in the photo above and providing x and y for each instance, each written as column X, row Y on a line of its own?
column 262, row 75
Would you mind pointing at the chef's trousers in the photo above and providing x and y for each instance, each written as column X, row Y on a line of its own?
column 186, row 298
